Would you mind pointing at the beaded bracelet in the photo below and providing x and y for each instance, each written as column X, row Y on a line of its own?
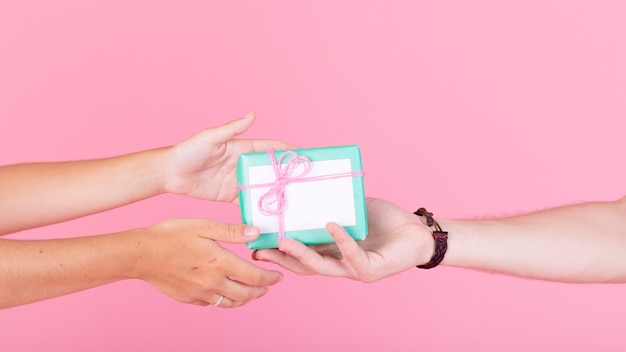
column 441, row 239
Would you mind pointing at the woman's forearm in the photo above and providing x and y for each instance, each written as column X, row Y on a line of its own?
column 576, row 243
column 38, row 194
column 179, row 257
column 33, row 270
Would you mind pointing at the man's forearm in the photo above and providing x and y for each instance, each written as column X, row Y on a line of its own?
column 576, row 243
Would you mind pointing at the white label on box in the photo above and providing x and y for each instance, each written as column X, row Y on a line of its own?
column 309, row 204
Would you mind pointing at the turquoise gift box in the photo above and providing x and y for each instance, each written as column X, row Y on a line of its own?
column 295, row 193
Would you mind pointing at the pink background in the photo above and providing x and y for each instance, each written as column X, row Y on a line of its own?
column 480, row 108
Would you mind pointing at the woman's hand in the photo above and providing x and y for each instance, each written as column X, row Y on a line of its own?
column 204, row 165
column 183, row 260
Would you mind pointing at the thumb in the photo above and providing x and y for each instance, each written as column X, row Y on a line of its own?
column 350, row 250
column 231, row 129
column 232, row 233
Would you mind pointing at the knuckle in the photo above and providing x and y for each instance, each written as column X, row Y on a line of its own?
column 237, row 304
column 260, row 279
column 253, row 294
column 232, row 231
column 367, row 277
column 255, row 281
column 350, row 256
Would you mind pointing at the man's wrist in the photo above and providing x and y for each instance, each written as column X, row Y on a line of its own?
column 440, row 238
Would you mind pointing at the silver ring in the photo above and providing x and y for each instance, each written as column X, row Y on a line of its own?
column 219, row 300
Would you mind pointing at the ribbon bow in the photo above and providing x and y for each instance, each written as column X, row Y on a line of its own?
column 273, row 202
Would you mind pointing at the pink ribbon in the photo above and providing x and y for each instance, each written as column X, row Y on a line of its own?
column 273, row 202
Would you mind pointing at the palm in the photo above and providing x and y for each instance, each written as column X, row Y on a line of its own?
column 400, row 235
column 204, row 166
column 397, row 240
column 209, row 170
column 393, row 243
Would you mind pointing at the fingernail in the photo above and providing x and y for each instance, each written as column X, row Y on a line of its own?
column 251, row 231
